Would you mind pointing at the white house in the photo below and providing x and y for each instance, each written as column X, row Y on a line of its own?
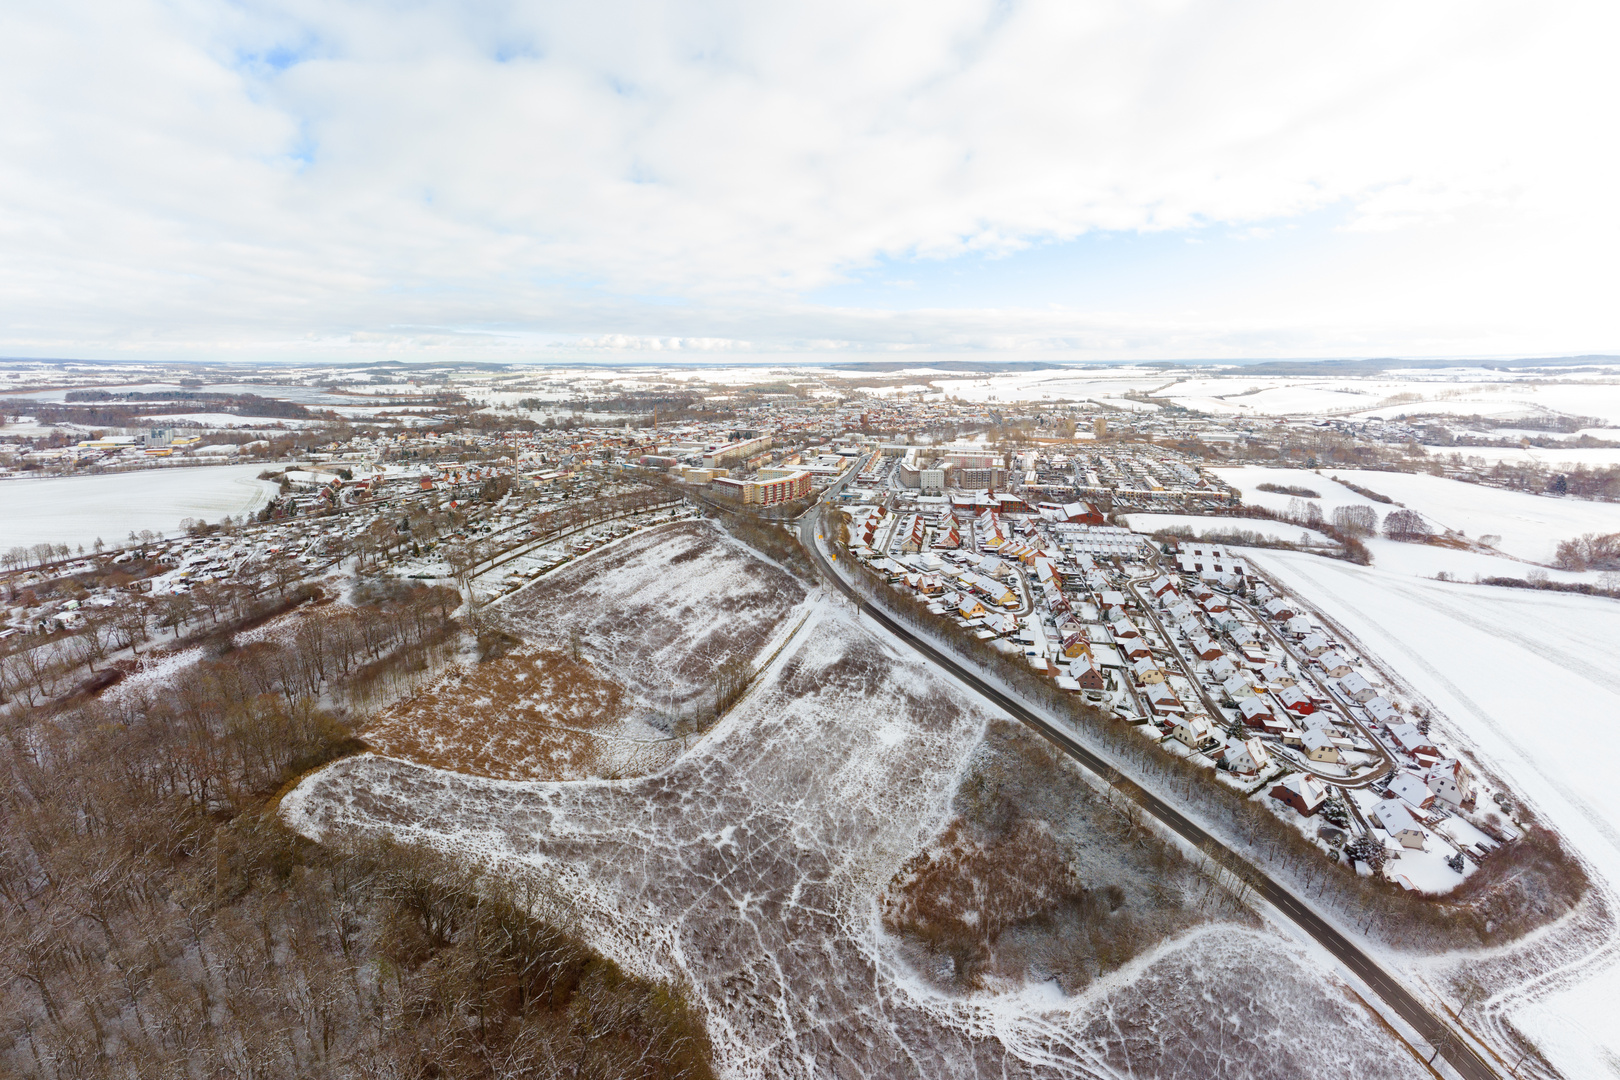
column 1248, row 757
column 1334, row 663
column 1193, row 731
column 1314, row 645
column 1237, row 687
column 1413, row 789
column 1381, row 710
column 1395, row 818
column 1357, row 688
column 1450, row 782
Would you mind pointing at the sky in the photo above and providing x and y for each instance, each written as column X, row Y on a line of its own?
column 1155, row 179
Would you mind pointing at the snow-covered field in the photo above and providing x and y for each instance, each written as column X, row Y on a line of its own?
column 78, row 509
column 1593, row 457
column 229, row 421
column 1529, row 527
column 1532, row 680
column 1215, row 526
column 1248, row 478
column 751, row 868
column 660, row 611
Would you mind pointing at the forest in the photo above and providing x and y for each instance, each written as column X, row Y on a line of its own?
column 158, row 920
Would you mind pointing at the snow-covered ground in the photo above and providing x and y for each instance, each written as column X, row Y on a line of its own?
column 1211, row 526
column 1532, row 680
column 1527, row 526
column 657, row 613
column 1530, row 526
column 78, row 509
column 1593, row 457
column 751, row 869
column 228, row 421
column 1248, row 478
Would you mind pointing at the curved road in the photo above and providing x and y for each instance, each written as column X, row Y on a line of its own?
column 1459, row 1054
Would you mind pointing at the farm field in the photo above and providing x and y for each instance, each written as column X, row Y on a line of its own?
column 608, row 658
column 1532, row 680
column 1572, row 457
column 78, row 509
column 752, row 869
column 1529, row 526
column 1215, row 526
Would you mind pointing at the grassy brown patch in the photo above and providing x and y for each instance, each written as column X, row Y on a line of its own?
column 1040, row 877
column 522, row 716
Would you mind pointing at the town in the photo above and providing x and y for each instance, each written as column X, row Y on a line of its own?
column 1014, row 524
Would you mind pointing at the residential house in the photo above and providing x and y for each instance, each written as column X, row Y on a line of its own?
column 1237, row 688
column 1134, row 648
column 1277, row 676
column 1451, row 784
column 1254, row 711
column 1395, row 818
column 1195, row 732
column 1414, row 742
column 1314, row 645
column 1319, row 746
column 1295, row 701
column 1248, row 757
column 1305, row 794
column 1085, row 672
column 1356, row 687
column 1278, row 609
column 1334, row 663
column 1163, row 700
column 1381, row 711
column 969, row 608
column 1412, row 788
column 1146, row 671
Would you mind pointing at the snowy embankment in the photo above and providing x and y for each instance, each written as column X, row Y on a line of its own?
column 751, row 868
column 1532, row 680
column 1224, row 526
column 78, row 509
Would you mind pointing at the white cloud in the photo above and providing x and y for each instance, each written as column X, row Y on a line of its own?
column 198, row 174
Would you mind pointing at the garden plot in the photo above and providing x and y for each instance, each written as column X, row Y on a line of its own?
column 605, row 660
column 752, row 871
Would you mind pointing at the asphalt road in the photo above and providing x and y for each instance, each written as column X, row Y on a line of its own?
column 1459, row 1054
